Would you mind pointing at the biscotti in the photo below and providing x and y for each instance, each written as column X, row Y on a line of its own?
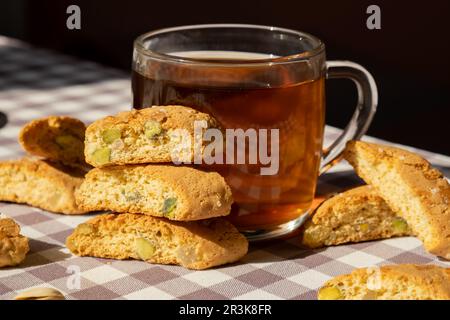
column 194, row 245
column 177, row 193
column 43, row 184
column 13, row 246
column 356, row 215
column 412, row 188
column 157, row 134
column 394, row 282
column 56, row 138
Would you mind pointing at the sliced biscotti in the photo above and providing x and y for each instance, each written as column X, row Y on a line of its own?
column 157, row 134
column 57, row 138
column 356, row 215
column 194, row 245
column 177, row 193
column 43, row 184
column 13, row 246
column 413, row 189
column 394, row 282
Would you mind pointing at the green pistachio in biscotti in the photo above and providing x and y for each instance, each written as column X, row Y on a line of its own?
column 85, row 229
column 101, row 156
column 329, row 293
column 152, row 129
column 67, row 141
column 133, row 196
column 111, row 135
column 400, row 225
column 144, row 248
column 169, row 206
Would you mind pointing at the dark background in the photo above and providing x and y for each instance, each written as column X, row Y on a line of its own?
column 409, row 56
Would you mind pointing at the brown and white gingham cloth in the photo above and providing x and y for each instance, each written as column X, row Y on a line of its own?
column 36, row 83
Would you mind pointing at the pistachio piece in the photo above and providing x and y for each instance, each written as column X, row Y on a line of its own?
column 169, row 206
column 152, row 129
column 133, row 196
column 101, row 156
column 66, row 141
column 329, row 293
column 364, row 227
column 85, row 229
column 144, row 248
column 400, row 225
column 186, row 255
column 111, row 135
column 40, row 294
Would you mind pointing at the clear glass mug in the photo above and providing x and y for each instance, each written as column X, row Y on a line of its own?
column 262, row 80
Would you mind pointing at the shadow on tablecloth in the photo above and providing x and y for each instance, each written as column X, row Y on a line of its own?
column 3, row 119
column 27, row 67
column 43, row 253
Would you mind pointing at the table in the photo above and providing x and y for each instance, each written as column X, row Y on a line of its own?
column 36, row 83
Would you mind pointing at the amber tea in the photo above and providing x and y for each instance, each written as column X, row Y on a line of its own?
column 238, row 99
column 266, row 86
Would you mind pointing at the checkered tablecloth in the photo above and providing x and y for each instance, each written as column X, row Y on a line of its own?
column 36, row 83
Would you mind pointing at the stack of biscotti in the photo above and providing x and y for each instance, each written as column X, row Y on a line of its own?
column 412, row 188
column 54, row 168
column 404, row 196
column 163, row 213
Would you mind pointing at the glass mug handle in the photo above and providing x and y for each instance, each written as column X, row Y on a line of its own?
column 365, row 108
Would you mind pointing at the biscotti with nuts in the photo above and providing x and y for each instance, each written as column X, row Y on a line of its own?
column 174, row 192
column 413, row 189
column 194, row 245
column 393, row 282
column 151, row 135
column 358, row 214
column 56, row 138
column 13, row 246
column 43, row 184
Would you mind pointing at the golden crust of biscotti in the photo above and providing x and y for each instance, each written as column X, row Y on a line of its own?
column 194, row 245
column 175, row 192
column 391, row 282
column 358, row 214
column 57, row 138
column 13, row 246
column 149, row 135
column 43, row 184
column 411, row 186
